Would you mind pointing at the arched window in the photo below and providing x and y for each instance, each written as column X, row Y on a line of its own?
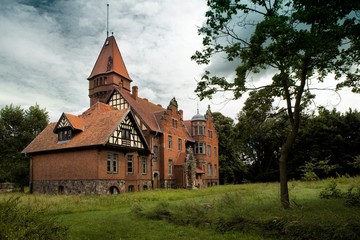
column 113, row 190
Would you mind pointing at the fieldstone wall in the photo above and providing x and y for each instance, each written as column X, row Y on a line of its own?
column 87, row 187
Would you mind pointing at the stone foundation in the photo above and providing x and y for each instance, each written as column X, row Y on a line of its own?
column 88, row 187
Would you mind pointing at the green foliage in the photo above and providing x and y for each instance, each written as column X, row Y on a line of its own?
column 242, row 211
column 296, row 41
column 331, row 191
column 232, row 169
column 356, row 162
column 25, row 222
column 310, row 168
column 18, row 127
column 328, row 135
column 252, row 208
column 352, row 197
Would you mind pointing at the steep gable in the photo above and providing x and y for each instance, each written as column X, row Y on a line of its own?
column 69, row 121
column 128, row 134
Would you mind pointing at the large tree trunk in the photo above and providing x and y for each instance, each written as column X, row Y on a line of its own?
column 294, row 118
column 285, row 149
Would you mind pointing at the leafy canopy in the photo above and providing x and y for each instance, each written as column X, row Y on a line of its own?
column 296, row 39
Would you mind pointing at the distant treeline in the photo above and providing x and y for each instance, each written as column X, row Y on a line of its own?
column 328, row 145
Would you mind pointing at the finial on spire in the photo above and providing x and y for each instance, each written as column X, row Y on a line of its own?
column 197, row 108
column 107, row 21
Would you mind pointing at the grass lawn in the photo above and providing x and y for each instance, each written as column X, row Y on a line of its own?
column 248, row 211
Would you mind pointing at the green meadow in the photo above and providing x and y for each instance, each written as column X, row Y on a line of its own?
column 246, row 211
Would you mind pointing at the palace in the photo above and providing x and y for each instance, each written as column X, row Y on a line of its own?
column 123, row 142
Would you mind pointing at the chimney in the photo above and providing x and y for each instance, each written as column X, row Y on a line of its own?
column 135, row 92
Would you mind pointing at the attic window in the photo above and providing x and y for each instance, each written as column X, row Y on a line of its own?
column 64, row 135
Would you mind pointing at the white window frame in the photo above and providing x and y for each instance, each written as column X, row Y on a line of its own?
column 112, row 162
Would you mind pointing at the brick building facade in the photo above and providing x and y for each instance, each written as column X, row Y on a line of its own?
column 123, row 142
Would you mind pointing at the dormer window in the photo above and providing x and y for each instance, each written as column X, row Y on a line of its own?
column 64, row 135
column 68, row 126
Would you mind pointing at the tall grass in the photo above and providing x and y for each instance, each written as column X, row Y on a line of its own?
column 248, row 211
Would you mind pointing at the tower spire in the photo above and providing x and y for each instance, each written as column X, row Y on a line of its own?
column 107, row 21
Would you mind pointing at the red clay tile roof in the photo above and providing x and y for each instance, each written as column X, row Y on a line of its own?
column 145, row 109
column 99, row 123
column 109, row 55
column 150, row 113
column 75, row 121
column 187, row 124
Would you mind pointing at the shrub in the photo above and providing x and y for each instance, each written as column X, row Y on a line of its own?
column 21, row 222
column 352, row 198
column 331, row 191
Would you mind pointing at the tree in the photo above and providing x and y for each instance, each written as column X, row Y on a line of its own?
column 330, row 136
column 231, row 168
column 258, row 135
column 18, row 127
column 294, row 40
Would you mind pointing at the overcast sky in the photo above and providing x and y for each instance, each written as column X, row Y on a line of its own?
column 48, row 49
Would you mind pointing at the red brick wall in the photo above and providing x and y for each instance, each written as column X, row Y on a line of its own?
column 65, row 165
column 176, row 133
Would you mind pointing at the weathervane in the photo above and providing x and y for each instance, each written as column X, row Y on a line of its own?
column 107, row 21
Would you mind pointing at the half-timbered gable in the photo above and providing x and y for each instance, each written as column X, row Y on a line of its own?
column 127, row 134
column 118, row 101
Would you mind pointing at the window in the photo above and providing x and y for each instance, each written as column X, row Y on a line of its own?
column 125, row 136
column 209, row 170
column 143, row 165
column 170, row 169
column 112, row 163
column 209, row 133
column 215, row 152
column 215, row 170
column 155, row 152
column 64, row 135
column 174, row 123
column 130, row 163
column 125, row 133
column 179, row 144
column 208, row 150
column 170, row 142
column 199, row 148
column 199, row 130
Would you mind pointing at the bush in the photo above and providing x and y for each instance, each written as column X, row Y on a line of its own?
column 352, row 198
column 20, row 222
column 331, row 191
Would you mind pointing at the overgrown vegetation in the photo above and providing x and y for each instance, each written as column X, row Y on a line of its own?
column 18, row 127
column 28, row 222
column 352, row 196
column 255, row 210
column 245, row 211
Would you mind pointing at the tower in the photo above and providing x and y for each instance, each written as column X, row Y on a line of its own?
column 109, row 72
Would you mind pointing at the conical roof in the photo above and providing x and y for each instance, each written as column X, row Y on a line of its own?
column 110, row 60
